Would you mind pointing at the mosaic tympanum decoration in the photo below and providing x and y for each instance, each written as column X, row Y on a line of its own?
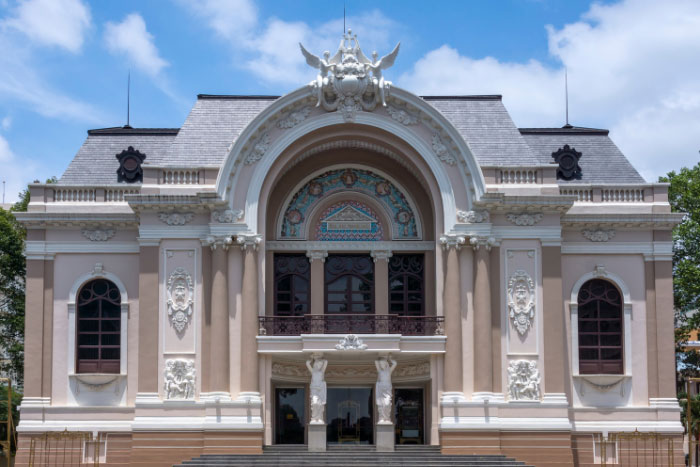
column 349, row 220
column 404, row 225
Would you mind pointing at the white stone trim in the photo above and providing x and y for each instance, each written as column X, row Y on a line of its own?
column 653, row 250
column 36, row 248
column 601, row 273
column 97, row 273
column 389, row 215
column 542, row 232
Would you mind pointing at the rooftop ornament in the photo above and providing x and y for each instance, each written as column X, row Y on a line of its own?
column 130, row 161
column 349, row 81
column 567, row 158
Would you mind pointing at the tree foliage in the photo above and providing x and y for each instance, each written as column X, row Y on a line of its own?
column 684, row 196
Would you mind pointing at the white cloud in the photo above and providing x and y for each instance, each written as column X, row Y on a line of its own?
column 17, row 171
column 131, row 39
column 271, row 48
column 6, row 123
column 61, row 23
column 632, row 67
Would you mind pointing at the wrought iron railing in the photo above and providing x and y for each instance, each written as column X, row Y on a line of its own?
column 351, row 323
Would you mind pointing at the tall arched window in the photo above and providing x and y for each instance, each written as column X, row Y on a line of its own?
column 292, row 285
column 600, row 322
column 98, row 327
column 406, row 297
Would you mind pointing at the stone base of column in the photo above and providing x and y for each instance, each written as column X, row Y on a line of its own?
column 385, row 437
column 317, row 437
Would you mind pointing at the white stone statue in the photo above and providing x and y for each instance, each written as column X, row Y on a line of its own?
column 317, row 367
column 383, row 393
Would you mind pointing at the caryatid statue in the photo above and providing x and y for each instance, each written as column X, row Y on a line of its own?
column 383, row 390
column 317, row 367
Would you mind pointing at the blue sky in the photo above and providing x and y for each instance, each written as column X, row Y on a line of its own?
column 633, row 65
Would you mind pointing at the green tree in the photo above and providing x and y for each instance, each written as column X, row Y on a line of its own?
column 684, row 196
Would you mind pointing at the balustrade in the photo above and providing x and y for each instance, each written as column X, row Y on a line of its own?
column 351, row 323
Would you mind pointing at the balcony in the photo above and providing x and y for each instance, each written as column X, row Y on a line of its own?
column 351, row 324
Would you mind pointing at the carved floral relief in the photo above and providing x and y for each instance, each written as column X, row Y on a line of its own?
column 180, row 298
column 521, row 300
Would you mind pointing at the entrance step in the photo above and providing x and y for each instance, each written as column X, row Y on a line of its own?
column 351, row 456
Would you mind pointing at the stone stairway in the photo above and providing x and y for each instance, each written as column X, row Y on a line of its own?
column 337, row 456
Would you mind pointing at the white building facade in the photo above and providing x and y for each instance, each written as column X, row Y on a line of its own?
column 445, row 277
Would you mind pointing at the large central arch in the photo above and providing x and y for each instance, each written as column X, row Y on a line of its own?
column 448, row 157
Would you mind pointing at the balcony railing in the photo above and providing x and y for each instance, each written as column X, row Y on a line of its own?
column 351, row 324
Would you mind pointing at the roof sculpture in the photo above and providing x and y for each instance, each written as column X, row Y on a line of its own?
column 350, row 88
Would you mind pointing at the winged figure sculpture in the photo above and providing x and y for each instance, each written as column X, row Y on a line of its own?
column 324, row 65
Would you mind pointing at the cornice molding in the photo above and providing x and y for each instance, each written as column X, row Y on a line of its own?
column 305, row 245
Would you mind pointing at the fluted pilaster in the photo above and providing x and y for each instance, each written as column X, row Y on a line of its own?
column 483, row 365
column 249, row 313
column 452, row 311
column 219, row 334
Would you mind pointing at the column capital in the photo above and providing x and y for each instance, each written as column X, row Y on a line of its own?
column 317, row 254
column 487, row 242
column 381, row 254
column 250, row 240
column 218, row 241
column 450, row 240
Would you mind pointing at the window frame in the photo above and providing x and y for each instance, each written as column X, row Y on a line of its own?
column 347, row 277
column 98, row 272
column 600, row 272
column 405, row 290
column 103, row 365
column 292, row 275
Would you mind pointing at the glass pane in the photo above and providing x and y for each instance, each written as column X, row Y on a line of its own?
column 99, row 287
column 110, row 339
column 356, row 284
column 415, row 297
column 337, row 285
column 110, row 310
column 284, row 283
column 300, row 284
column 88, row 354
column 88, row 339
column 612, row 340
column 336, row 308
column 611, row 354
column 89, row 310
column 414, row 283
column 110, row 325
column 397, row 297
column 588, row 326
column 336, row 297
column 589, row 310
column 588, row 339
column 610, row 326
column 290, row 409
column 349, row 416
column 588, row 354
column 609, row 311
column 361, row 307
column 359, row 297
column 88, row 325
column 110, row 354
column 396, row 284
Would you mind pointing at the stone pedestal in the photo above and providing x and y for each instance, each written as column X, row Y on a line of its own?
column 385, row 437
column 317, row 437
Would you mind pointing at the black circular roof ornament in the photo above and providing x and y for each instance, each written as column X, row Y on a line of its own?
column 567, row 158
column 130, row 170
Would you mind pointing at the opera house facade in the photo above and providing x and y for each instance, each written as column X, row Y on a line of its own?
column 349, row 263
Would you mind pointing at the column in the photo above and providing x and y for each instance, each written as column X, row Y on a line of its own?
column 483, row 367
column 553, row 323
column 148, row 321
column 219, row 332
column 317, row 259
column 381, row 281
column 452, row 312
column 34, row 332
column 665, row 344
column 249, row 316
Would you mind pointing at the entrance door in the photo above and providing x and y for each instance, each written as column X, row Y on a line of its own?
column 349, row 416
column 408, row 411
column 289, row 419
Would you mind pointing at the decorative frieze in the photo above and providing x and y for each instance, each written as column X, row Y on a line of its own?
column 259, row 149
column 294, row 118
column 226, row 216
column 180, row 298
column 175, row 218
column 521, row 300
column 98, row 235
column 351, row 342
column 442, row 151
column 523, row 381
column 473, row 217
column 598, row 235
column 413, row 370
column 179, row 379
column 402, row 116
column 524, row 218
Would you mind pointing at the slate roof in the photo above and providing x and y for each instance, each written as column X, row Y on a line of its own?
column 601, row 160
column 216, row 121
